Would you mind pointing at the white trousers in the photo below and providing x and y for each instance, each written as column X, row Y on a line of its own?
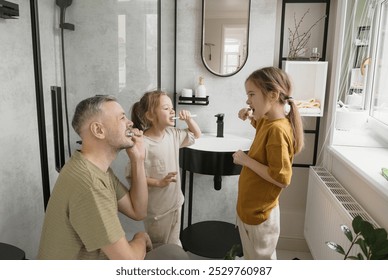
column 259, row 241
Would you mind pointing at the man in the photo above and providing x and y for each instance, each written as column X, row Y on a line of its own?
column 81, row 220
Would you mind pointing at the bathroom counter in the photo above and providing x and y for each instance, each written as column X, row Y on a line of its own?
column 210, row 155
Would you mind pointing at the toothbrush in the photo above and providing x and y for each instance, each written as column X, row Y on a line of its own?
column 175, row 118
column 131, row 134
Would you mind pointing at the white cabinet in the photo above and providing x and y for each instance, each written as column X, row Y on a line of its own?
column 308, row 80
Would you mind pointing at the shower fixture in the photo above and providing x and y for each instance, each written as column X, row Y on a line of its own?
column 63, row 4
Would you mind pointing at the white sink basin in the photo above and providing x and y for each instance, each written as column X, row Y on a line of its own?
column 228, row 143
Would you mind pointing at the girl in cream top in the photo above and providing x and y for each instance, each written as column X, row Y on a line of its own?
column 155, row 115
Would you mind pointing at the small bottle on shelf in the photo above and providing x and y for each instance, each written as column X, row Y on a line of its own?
column 201, row 89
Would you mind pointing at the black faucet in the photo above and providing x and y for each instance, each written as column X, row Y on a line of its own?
column 220, row 125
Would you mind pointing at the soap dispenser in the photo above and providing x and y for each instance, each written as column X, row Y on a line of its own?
column 220, row 125
column 201, row 89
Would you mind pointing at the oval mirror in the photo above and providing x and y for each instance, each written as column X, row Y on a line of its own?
column 225, row 35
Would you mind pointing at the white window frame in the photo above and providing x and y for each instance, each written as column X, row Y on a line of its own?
column 242, row 48
column 376, row 125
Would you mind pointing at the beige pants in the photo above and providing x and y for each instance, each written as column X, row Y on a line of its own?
column 259, row 241
column 164, row 229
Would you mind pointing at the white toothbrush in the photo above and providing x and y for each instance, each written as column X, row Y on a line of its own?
column 175, row 118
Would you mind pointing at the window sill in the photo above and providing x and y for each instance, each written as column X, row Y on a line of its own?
column 356, row 157
column 367, row 163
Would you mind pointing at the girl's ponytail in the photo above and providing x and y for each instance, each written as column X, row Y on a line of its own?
column 297, row 125
column 137, row 116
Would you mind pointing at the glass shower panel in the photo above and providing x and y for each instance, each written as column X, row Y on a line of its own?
column 127, row 49
column 113, row 50
column 122, row 42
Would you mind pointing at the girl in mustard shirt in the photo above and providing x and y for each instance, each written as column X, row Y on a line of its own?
column 267, row 168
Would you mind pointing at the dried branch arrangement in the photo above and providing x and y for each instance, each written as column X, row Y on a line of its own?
column 298, row 41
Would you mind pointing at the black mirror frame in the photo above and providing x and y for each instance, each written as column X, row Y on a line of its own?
column 203, row 36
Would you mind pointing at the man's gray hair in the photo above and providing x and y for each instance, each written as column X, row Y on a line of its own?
column 88, row 108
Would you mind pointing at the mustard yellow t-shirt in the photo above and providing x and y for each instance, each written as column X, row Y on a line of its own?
column 273, row 147
column 82, row 213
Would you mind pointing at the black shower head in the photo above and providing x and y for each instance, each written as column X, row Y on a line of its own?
column 64, row 3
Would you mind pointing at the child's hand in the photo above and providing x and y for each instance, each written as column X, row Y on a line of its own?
column 170, row 177
column 245, row 113
column 184, row 115
column 192, row 125
column 240, row 157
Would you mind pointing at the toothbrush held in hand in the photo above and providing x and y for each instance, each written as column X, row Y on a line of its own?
column 176, row 118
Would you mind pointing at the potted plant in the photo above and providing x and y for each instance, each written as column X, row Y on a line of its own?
column 234, row 252
column 297, row 40
column 372, row 241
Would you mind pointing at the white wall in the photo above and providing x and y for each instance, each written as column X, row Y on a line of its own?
column 21, row 197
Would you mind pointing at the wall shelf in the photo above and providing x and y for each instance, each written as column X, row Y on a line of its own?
column 309, row 85
column 193, row 100
column 319, row 34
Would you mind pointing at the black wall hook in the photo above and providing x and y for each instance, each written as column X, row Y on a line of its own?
column 8, row 10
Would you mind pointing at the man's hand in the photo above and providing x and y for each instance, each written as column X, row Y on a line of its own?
column 137, row 151
column 134, row 249
column 144, row 236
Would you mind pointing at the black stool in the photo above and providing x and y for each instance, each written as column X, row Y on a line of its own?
column 211, row 239
column 9, row 252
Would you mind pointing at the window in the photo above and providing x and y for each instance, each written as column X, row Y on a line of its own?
column 231, row 55
column 234, row 51
column 379, row 82
column 359, row 147
column 363, row 91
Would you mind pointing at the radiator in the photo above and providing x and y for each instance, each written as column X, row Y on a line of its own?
column 329, row 206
